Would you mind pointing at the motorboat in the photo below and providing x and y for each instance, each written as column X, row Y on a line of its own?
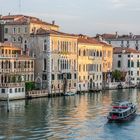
column 69, row 94
column 122, row 111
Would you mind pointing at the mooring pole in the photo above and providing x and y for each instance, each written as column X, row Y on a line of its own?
column 7, row 102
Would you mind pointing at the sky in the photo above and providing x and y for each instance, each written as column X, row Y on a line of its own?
column 81, row 16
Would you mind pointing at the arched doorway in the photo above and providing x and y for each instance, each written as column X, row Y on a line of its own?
column 38, row 83
column 90, row 84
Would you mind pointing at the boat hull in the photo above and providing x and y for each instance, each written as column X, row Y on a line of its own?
column 125, row 119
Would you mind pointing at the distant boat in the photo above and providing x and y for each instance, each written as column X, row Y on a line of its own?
column 69, row 94
column 122, row 111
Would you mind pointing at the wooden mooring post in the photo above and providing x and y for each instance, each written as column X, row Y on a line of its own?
column 8, row 103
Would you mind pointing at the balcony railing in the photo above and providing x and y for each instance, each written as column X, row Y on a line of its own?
column 10, row 85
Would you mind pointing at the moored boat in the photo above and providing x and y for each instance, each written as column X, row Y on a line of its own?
column 69, row 94
column 122, row 111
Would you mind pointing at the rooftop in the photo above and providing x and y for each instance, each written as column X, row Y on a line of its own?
column 120, row 50
column 23, row 19
column 47, row 32
column 9, row 45
column 91, row 40
column 115, row 36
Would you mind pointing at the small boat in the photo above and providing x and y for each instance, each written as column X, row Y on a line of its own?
column 69, row 94
column 122, row 111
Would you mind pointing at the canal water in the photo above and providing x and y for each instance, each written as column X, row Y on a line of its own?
column 80, row 117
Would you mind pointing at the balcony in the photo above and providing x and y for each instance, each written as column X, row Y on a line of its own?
column 11, row 85
column 91, row 57
column 8, row 55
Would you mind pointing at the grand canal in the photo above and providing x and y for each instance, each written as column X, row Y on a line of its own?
column 80, row 117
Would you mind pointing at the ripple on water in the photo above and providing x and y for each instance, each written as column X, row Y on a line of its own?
column 82, row 117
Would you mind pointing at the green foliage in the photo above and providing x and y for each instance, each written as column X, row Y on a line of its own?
column 19, row 78
column 13, row 79
column 29, row 86
column 116, row 75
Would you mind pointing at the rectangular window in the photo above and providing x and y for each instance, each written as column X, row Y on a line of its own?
column 44, row 76
column 25, row 29
column 14, row 30
column 68, row 76
column 15, row 90
column 119, row 55
column 2, row 90
column 119, row 64
column 138, row 64
column 128, row 64
column 19, row 90
column 6, row 30
column 22, row 89
column 53, row 77
column 45, row 64
column 10, row 90
column 75, row 76
column 132, row 64
column 18, row 30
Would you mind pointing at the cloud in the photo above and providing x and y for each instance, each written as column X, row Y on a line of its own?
column 119, row 3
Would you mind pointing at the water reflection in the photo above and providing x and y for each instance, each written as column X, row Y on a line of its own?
column 76, row 117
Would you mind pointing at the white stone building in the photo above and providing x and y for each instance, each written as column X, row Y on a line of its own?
column 17, row 29
column 15, row 70
column 125, row 41
column 56, row 60
column 127, row 60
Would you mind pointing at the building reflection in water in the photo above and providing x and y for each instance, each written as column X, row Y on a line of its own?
column 61, row 117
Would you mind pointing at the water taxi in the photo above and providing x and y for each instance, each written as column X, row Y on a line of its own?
column 122, row 111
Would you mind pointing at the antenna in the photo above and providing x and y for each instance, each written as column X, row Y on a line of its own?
column 19, row 6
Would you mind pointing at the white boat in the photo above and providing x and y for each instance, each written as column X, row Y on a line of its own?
column 69, row 94
column 122, row 111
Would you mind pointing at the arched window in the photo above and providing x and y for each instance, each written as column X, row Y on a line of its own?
column 84, row 53
column 58, row 63
column 100, row 53
column 45, row 45
column 79, row 52
column 97, row 53
column 79, row 68
column 2, row 64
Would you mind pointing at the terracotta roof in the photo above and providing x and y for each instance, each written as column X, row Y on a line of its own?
column 107, row 36
column 42, row 22
column 10, row 17
column 23, row 19
column 119, row 50
column 87, row 40
column 118, row 37
column 44, row 32
column 106, row 44
column 9, row 45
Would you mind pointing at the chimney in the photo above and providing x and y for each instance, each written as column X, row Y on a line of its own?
column 131, row 35
column 116, row 34
column 53, row 22
column 100, row 38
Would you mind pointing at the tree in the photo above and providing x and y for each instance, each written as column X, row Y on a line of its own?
column 29, row 86
column 116, row 75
